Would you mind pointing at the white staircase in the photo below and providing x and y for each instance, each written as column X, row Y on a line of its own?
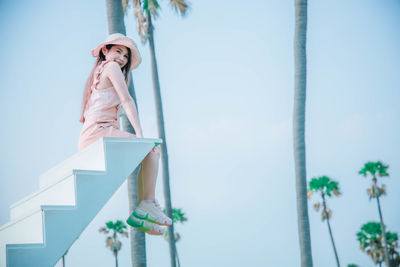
column 46, row 223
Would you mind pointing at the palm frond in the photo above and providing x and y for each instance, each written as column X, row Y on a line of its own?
column 324, row 185
column 372, row 242
column 177, row 236
column 110, row 225
column 153, row 8
column 375, row 191
column 180, row 6
column 125, row 5
column 103, row 230
column 116, row 246
column 109, row 242
column 141, row 23
column 374, row 168
column 178, row 215
column 326, row 214
column 317, row 206
column 136, row 2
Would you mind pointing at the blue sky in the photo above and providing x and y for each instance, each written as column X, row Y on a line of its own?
column 227, row 80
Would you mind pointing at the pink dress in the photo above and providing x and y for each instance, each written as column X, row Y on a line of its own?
column 101, row 115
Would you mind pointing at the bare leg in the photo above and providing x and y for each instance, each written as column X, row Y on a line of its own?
column 140, row 184
column 149, row 173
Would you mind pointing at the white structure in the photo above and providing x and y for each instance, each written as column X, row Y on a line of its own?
column 46, row 223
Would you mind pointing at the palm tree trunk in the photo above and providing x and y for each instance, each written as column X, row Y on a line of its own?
column 178, row 262
column 116, row 259
column 330, row 231
column 63, row 258
column 333, row 243
column 138, row 240
column 387, row 259
column 137, row 237
column 161, row 133
column 298, row 132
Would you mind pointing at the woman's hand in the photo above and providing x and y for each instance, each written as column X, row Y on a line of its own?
column 139, row 131
column 139, row 134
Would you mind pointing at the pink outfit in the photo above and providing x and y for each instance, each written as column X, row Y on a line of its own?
column 101, row 114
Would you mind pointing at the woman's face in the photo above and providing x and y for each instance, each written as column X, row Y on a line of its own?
column 117, row 53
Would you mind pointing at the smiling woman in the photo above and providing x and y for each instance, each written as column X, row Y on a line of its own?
column 117, row 53
column 106, row 91
column 101, row 107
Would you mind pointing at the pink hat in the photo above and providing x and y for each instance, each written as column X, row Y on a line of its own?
column 120, row 39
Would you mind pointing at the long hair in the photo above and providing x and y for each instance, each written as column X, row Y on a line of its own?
column 88, row 90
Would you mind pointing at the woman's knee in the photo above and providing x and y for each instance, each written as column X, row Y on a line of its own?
column 154, row 154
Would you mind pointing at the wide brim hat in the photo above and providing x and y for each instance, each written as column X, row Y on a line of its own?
column 120, row 39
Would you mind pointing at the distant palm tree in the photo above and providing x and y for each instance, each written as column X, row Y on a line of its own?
column 116, row 228
column 178, row 216
column 374, row 191
column 116, row 24
column 325, row 187
column 145, row 11
column 371, row 242
column 298, row 131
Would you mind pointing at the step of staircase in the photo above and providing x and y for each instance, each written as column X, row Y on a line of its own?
column 46, row 223
column 60, row 193
column 89, row 158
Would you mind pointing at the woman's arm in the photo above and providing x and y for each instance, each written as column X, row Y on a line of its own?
column 114, row 73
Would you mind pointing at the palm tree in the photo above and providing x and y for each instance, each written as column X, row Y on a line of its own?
column 371, row 242
column 374, row 191
column 325, row 187
column 298, row 131
column 178, row 216
column 145, row 11
column 116, row 24
column 112, row 242
column 392, row 239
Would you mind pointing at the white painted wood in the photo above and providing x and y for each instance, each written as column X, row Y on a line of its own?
column 45, row 224
column 24, row 230
column 89, row 158
column 60, row 193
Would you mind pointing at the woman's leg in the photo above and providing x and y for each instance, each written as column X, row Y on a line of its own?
column 149, row 209
column 140, row 184
column 149, row 173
